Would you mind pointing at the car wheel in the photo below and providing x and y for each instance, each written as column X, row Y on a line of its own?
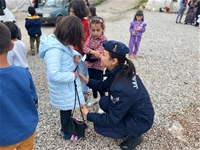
column 58, row 20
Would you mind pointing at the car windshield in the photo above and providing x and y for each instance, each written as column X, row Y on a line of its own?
column 54, row 3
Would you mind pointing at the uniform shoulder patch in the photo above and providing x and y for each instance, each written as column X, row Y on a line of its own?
column 114, row 100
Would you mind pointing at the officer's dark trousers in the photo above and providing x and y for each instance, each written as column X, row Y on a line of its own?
column 112, row 132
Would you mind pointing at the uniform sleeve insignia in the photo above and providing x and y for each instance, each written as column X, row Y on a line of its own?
column 114, row 100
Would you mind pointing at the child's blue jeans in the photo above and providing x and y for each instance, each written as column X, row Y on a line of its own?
column 82, row 68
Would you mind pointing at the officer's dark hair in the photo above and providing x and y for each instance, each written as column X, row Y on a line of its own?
column 139, row 13
column 128, row 69
column 79, row 7
column 69, row 31
column 13, row 29
column 31, row 10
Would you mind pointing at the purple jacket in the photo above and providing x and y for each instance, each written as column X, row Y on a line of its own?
column 134, row 25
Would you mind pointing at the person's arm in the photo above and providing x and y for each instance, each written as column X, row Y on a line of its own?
column 32, row 89
column 116, row 112
column 27, row 24
column 132, row 28
column 143, row 29
column 95, row 84
column 53, row 60
column 86, row 47
column 101, row 48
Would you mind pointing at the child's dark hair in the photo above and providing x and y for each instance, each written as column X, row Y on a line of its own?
column 79, row 7
column 128, row 70
column 92, row 11
column 5, row 37
column 31, row 10
column 139, row 13
column 97, row 20
column 13, row 29
column 87, row 3
column 69, row 31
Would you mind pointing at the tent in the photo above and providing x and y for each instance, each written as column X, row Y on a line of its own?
column 18, row 5
column 155, row 5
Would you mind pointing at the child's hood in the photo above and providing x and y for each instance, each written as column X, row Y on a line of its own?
column 48, row 42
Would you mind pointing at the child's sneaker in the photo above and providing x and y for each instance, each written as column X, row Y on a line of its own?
column 33, row 51
column 92, row 102
column 75, row 138
column 100, row 111
column 65, row 136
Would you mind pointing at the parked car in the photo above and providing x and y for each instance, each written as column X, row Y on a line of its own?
column 52, row 10
column 7, row 15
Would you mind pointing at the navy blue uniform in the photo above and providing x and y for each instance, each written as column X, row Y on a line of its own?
column 129, row 108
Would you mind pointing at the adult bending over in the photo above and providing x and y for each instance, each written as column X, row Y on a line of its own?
column 128, row 108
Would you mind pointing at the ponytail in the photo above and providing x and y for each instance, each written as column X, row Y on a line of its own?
column 128, row 69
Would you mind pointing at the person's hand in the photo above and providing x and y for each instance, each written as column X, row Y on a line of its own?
column 76, row 59
column 97, row 54
column 83, row 78
column 76, row 75
column 138, row 29
column 133, row 33
column 84, row 110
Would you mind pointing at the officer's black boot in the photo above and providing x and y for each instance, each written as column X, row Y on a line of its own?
column 131, row 142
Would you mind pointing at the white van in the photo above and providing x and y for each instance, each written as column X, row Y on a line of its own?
column 7, row 15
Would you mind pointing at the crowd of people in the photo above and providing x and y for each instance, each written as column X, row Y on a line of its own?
column 78, row 41
column 192, row 14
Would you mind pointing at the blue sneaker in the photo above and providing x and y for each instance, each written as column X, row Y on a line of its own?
column 65, row 136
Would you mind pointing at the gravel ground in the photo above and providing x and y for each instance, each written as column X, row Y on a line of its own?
column 170, row 72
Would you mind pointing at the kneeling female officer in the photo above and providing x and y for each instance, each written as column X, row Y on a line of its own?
column 128, row 108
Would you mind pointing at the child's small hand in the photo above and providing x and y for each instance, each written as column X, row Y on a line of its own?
column 76, row 75
column 84, row 110
column 97, row 54
column 76, row 59
column 133, row 33
column 83, row 78
column 138, row 29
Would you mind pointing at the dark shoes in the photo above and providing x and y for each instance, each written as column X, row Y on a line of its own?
column 130, row 143
column 179, row 22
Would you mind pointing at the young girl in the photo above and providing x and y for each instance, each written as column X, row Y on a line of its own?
column 128, row 108
column 79, row 9
column 93, row 48
column 59, row 58
column 137, row 27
